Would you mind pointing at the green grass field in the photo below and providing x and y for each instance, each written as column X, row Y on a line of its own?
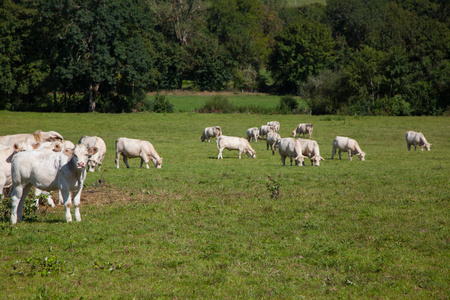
column 207, row 228
column 188, row 102
column 304, row 2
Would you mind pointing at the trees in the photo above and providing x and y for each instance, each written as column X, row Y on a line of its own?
column 302, row 49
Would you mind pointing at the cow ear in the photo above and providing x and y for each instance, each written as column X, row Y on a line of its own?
column 35, row 145
column 68, row 152
column 16, row 147
column 321, row 158
column 92, row 150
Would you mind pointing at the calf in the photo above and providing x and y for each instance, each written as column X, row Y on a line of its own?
column 289, row 147
column 96, row 159
column 49, row 171
column 265, row 129
column 272, row 140
column 253, row 134
column 416, row 139
column 310, row 149
column 131, row 148
column 234, row 143
column 210, row 132
column 345, row 144
column 303, row 128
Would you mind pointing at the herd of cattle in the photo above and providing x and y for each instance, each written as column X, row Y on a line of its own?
column 49, row 163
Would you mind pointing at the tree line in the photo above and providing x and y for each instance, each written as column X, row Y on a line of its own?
column 369, row 57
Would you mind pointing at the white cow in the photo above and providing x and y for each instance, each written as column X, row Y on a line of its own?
column 345, row 144
column 30, row 138
column 96, row 159
column 210, row 132
column 272, row 140
column 49, row 171
column 253, row 134
column 68, row 144
column 290, row 147
column 305, row 128
column 416, row 139
column 234, row 143
column 275, row 124
column 310, row 149
column 131, row 148
column 264, row 130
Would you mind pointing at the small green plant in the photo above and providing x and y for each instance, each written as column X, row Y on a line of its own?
column 43, row 266
column 273, row 186
column 29, row 208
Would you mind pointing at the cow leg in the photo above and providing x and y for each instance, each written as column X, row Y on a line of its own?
column 339, row 154
column 125, row 160
column 76, row 203
column 117, row 159
column 350, row 155
column 283, row 159
column 220, row 154
column 409, row 147
column 15, row 200
column 67, row 203
column 144, row 158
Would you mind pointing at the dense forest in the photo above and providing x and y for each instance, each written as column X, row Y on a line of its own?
column 368, row 57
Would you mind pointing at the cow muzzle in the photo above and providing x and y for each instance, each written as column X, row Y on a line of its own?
column 80, row 165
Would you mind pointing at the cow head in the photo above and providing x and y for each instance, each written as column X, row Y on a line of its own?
column 427, row 146
column 316, row 159
column 362, row 156
column 250, row 153
column 157, row 162
column 80, row 155
column 299, row 160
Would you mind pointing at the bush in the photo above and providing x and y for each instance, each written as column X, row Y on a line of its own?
column 287, row 105
column 159, row 105
column 218, row 104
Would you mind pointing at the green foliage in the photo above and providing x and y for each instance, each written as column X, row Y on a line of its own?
column 218, row 104
column 43, row 266
column 159, row 105
column 302, row 49
column 287, row 104
column 29, row 209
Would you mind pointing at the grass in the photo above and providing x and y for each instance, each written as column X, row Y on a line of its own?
column 188, row 102
column 304, row 2
column 204, row 228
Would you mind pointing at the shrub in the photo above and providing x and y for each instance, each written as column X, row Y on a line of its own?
column 218, row 104
column 161, row 104
column 287, row 105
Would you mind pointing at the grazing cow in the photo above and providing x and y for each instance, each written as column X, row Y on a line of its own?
column 345, row 144
column 310, row 149
column 49, row 171
column 210, row 132
column 30, row 138
column 253, row 134
column 131, row 148
column 303, row 128
column 416, row 139
column 234, row 143
column 96, row 159
column 264, row 130
column 272, row 140
column 275, row 124
column 290, row 147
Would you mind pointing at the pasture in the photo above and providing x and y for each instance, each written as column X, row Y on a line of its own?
column 207, row 228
